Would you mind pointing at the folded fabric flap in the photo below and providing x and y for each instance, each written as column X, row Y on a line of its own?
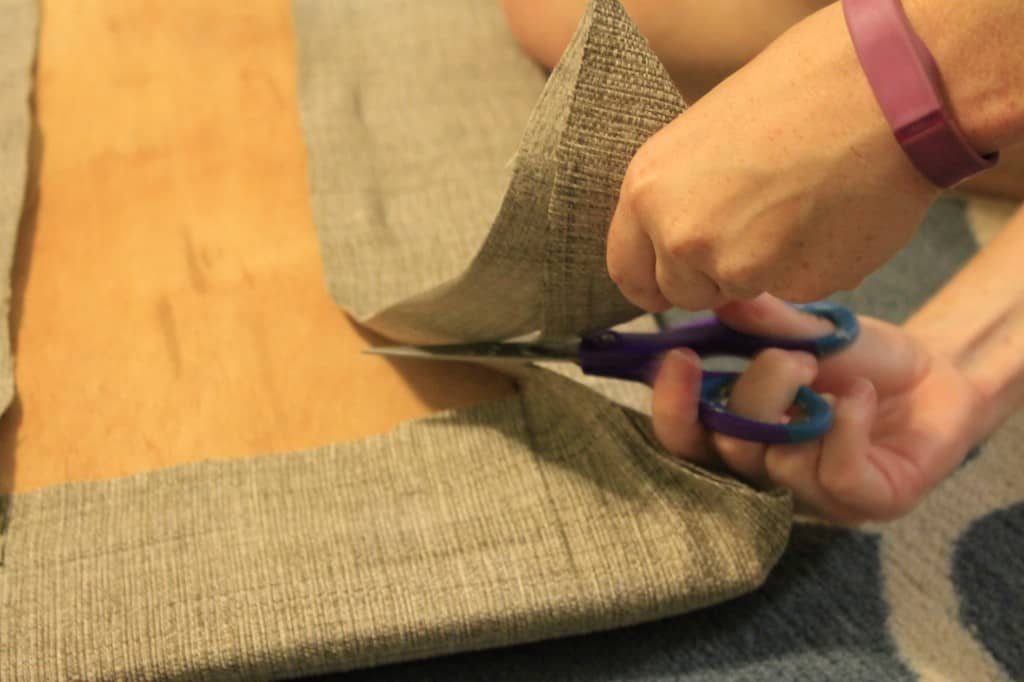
column 411, row 117
column 619, row 99
column 542, row 515
column 540, row 263
column 18, row 20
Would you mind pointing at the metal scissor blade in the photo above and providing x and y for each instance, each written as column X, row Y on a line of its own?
column 491, row 351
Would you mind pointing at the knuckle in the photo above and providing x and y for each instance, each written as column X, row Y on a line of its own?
column 627, row 279
column 647, row 297
column 803, row 291
column 746, row 278
column 640, row 182
column 905, row 497
column 642, row 292
column 665, row 278
column 683, row 297
column 684, row 245
column 838, row 483
column 784, row 364
column 616, row 268
column 775, row 358
column 690, row 304
column 732, row 449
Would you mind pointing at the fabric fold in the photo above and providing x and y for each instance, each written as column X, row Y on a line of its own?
column 539, row 265
column 539, row 516
column 543, row 515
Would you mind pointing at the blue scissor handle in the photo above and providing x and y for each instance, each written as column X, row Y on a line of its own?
column 815, row 421
column 635, row 357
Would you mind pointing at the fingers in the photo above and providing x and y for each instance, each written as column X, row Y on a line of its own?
column 688, row 289
column 836, row 477
column 631, row 262
column 771, row 317
column 764, row 392
column 674, row 407
column 844, row 476
column 795, row 466
column 646, row 277
column 883, row 354
column 848, row 471
column 841, row 476
column 647, row 271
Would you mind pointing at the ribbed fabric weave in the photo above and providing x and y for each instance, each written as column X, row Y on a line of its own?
column 543, row 515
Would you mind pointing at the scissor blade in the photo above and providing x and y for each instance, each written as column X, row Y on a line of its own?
column 490, row 351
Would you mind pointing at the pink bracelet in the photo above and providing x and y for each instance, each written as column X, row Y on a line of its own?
column 906, row 82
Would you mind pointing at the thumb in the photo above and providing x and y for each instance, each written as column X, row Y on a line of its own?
column 674, row 410
column 769, row 316
column 883, row 354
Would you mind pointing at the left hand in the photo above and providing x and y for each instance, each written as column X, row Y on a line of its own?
column 904, row 415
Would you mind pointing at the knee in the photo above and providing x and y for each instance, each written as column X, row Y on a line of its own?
column 543, row 28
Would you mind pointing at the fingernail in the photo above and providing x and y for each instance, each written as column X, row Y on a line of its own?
column 686, row 355
column 806, row 359
column 862, row 389
column 807, row 362
column 682, row 361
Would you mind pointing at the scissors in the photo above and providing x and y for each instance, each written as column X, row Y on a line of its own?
column 635, row 357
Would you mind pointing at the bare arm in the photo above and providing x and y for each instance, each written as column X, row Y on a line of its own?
column 980, row 52
column 977, row 321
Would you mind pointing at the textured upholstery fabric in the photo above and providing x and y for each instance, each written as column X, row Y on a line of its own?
column 547, row 514
column 424, row 122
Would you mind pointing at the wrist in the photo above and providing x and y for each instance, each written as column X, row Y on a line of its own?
column 981, row 65
column 817, row 62
column 974, row 393
column 980, row 340
column 976, row 323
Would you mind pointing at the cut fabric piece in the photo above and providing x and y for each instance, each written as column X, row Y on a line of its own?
column 404, row 122
column 17, row 52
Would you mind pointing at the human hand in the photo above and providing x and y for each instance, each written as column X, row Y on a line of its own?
column 785, row 179
column 904, row 416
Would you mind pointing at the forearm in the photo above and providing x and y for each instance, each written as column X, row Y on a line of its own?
column 979, row 49
column 977, row 321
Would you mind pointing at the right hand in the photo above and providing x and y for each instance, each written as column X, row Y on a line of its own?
column 905, row 417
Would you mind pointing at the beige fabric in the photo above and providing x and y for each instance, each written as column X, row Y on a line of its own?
column 547, row 514
column 518, row 520
column 17, row 51
column 425, row 128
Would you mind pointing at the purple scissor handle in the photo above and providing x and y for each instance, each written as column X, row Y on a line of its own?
column 635, row 357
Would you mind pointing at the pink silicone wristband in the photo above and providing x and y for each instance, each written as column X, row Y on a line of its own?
column 905, row 79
